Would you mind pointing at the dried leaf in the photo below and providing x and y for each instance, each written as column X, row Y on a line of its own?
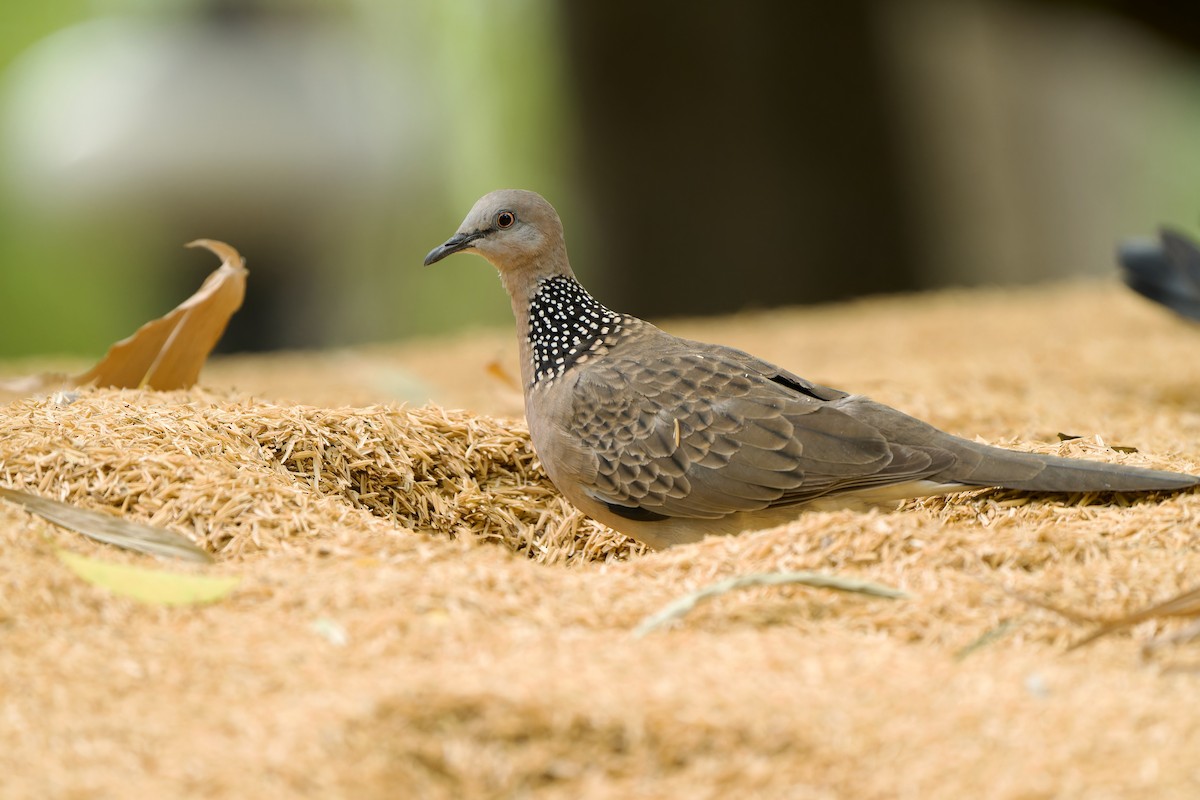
column 168, row 353
column 1188, row 634
column 108, row 528
column 1186, row 604
column 152, row 586
column 497, row 370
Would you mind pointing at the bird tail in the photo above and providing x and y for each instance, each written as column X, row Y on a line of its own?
column 982, row 465
column 977, row 464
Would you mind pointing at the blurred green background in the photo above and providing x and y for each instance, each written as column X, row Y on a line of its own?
column 705, row 158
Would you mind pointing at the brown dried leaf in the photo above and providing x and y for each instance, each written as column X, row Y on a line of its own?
column 1186, row 604
column 169, row 352
column 498, row 371
column 1186, row 635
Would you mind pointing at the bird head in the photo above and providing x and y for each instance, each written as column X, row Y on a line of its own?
column 517, row 231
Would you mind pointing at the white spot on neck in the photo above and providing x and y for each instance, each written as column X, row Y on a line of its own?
column 566, row 324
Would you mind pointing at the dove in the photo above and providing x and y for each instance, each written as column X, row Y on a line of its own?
column 1167, row 271
column 669, row 440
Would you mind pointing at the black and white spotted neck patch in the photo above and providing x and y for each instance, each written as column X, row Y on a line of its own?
column 567, row 326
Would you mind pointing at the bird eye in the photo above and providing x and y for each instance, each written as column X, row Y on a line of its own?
column 505, row 219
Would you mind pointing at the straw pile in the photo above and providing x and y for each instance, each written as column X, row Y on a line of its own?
column 420, row 615
column 239, row 475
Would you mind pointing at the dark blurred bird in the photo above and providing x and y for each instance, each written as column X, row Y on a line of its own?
column 669, row 440
column 1166, row 271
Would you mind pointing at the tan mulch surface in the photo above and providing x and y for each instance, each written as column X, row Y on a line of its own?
column 420, row 615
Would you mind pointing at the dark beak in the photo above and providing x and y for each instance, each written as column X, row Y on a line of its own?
column 459, row 241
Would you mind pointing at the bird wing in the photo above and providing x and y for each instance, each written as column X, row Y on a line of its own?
column 690, row 430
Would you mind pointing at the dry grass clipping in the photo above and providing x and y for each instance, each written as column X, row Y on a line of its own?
column 420, row 615
column 239, row 475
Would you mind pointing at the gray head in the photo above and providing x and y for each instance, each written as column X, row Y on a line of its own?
column 517, row 231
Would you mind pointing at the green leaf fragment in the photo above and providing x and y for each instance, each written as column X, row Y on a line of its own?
column 150, row 586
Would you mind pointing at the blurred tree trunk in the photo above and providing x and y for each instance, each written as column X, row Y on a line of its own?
column 737, row 155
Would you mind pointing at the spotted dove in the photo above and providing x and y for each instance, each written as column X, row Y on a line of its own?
column 1166, row 271
column 669, row 440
